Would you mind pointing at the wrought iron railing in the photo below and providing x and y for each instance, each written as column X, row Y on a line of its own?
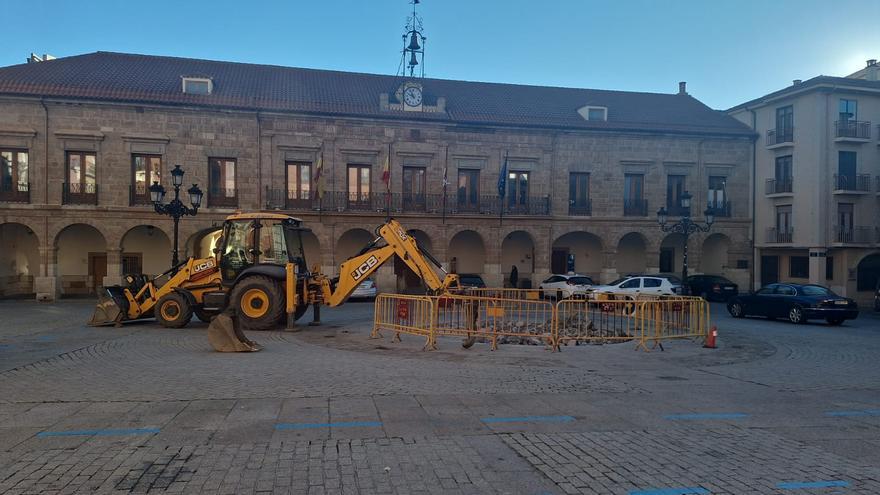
column 845, row 234
column 858, row 182
column 852, row 129
column 780, row 135
column 77, row 193
column 15, row 192
column 779, row 236
column 779, row 186
column 580, row 208
column 139, row 194
column 222, row 198
column 635, row 208
column 721, row 208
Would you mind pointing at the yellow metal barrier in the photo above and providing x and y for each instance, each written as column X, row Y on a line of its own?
column 677, row 318
column 578, row 320
column 501, row 293
column 492, row 318
column 400, row 313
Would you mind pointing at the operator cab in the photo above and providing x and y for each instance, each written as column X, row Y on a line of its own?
column 260, row 239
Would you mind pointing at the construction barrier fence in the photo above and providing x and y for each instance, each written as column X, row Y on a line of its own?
column 521, row 318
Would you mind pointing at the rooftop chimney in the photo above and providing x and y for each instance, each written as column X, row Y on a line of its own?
column 871, row 62
column 36, row 58
column 796, row 82
column 682, row 88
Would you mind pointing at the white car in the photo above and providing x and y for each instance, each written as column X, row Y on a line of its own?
column 641, row 285
column 565, row 286
column 364, row 290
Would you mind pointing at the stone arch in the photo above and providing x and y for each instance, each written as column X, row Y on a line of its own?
column 467, row 252
column 82, row 259
column 146, row 249
column 350, row 243
column 20, row 261
column 201, row 244
column 868, row 272
column 671, row 252
column 631, row 255
column 715, row 254
column 518, row 249
column 581, row 249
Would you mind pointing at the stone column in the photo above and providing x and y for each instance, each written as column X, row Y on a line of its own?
column 114, row 268
column 542, row 261
column 492, row 267
column 609, row 267
column 47, row 286
column 652, row 262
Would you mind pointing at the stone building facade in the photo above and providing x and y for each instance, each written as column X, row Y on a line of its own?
column 581, row 195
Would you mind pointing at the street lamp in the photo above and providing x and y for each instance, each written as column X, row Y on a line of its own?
column 175, row 209
column 685, row 227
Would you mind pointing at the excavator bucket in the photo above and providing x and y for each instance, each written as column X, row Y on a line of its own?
column 225, row 335
column 112, row 307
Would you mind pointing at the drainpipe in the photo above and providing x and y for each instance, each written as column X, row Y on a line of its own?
column 754, row 194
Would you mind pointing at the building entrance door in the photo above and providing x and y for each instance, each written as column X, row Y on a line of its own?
column 97, row 269
column 769, row 270
column 559, row 261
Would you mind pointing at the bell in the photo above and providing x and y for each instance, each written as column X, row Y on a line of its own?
column 412, row 61
column 414, row 43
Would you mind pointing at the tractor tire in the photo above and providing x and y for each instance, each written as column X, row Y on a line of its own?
column 205, row 316
column 258, row 302
column 173, row 311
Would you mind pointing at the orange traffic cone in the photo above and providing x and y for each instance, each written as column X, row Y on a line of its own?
column 710, row 339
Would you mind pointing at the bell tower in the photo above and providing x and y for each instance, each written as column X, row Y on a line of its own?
column 412, row 60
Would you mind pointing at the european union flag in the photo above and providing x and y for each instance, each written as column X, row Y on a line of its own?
column 502, row 179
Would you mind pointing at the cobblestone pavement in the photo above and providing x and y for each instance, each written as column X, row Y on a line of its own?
column 777, row 408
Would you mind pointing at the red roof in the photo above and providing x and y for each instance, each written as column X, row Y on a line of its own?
column 157, row 80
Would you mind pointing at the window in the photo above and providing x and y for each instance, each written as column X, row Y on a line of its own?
column 593, row 113
column 675, row 186
column 14, row 175
column 197, row 85
column 846, row 170
column 848, row 110
column 785, row 290
column 299, row 184
column 81, row 183
column 652, row 282
column 358, row 183
column 718, row 195
column 146, row 169
column 468, row 189
column 633, row 195
column 579, row 193
column 221, row 182
column 784, row 124
column 414, row 188
column 799, row 267
column 783, row 218
column 517, row 190
column 829, row 268
column 782, row 179
column 631, row 284
column 844, row 227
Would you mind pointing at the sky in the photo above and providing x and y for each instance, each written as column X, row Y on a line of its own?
column 728, row 51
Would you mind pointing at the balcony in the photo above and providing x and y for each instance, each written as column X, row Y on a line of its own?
column 780, row 137
column 222, row 198
column 852, row 235
column 79, row 194
column 852, row 184
column 779, row 236
column 852, row 131
column 430, row 204
column 15, row 193
column 779, row 186
column 722, row 209
column 139, row 195
column 635, row 208
column 581, row 208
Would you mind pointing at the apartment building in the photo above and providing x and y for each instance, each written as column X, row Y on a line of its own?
column 817, row 182
column 82, row 138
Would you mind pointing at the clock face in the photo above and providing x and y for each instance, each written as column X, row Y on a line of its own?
column 412, row 96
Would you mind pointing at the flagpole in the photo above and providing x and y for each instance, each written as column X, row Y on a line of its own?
column 502, row 190
column 388, row 186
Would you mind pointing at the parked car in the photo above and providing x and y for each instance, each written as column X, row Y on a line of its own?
column 565, row 286
column 659, row 285
column 796, row 302
column 877, row 297
column 365, row 290
column 471, row 280
column 711, row 287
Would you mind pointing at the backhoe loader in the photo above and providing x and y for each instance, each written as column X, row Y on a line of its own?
column 259, row 269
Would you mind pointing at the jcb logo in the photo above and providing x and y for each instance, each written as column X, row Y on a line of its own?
column 365, row 267
column 204, row 266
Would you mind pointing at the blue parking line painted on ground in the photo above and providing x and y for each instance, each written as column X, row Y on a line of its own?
column 798, row 485
column 699, row 416
column 692, row 490
column 866, row 412
column 529, row 419
column 341, row 424
column 107, row 432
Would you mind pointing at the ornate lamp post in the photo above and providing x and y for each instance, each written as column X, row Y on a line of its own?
column 176, row 209
column 685, row 227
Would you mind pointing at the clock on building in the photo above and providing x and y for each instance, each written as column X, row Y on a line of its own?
column 412, row 96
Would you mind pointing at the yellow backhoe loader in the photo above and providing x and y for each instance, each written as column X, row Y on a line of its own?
column 259, row 270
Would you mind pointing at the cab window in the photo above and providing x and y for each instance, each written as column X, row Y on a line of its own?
column 273, row 246
column 630, row 284
column 653, row 282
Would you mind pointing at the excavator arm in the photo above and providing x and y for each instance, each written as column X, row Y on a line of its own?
column 397, row 242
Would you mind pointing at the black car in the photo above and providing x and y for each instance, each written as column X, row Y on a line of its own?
column 471, row 280
column 796, row 302
column 877, row 297
column 711, row 287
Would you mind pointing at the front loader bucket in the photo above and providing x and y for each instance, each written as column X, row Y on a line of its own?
column 225, row 335
column 112, row 307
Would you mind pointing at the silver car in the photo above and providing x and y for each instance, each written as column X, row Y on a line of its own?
column 365, row 290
